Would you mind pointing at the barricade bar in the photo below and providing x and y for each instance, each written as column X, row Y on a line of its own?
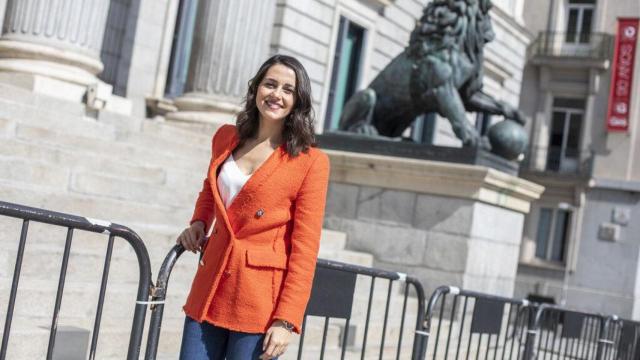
column 72, row 223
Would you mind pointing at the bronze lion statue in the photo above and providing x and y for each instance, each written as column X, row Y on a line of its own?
column 439, row 71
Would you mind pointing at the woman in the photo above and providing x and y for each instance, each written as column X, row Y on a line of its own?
column 266, row 188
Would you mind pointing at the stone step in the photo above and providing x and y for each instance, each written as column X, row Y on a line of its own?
column 55, row 120
column 166, row 145
column 108, row 186
column 104, row 185
column 75, row 160
column 158, row 156
column 332, row 240
column 43, row 102
column 118, row 211
column 167, row 130
column 30, row 341
column 347, row 256
column 86, row 261
column 34, row 172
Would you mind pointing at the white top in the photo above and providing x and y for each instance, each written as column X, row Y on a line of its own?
column 230, row 180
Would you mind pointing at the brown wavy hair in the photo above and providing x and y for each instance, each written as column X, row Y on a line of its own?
column 298, row 131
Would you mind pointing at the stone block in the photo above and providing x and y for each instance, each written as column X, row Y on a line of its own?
column 331, row 240
column 501, row 286
column 443, row 214
column 490, row 258
column 431, row 279
column 497, row 224
column 342, row 200
column 388, row 243
column 446, row 252
column 386, row 205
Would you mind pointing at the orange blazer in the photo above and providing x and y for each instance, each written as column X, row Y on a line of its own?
column 259, row 262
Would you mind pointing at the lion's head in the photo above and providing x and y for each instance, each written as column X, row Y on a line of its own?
column 452, row 24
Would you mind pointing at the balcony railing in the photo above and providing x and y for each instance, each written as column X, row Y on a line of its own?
column 595, row 46
column 553, row 160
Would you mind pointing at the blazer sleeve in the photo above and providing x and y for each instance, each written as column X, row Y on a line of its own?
column 205, row 206
column 305, row 243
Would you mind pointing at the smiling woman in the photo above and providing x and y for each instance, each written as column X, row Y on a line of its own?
column 256, row 269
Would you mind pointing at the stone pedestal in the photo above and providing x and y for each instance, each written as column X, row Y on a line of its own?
column 53, row 46
column 447, row 224
column 230, row 42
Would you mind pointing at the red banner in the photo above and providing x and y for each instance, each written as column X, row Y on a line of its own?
column 622, row 75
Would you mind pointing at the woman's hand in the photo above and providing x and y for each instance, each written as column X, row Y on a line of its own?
column 275, row 341
column 193, row 237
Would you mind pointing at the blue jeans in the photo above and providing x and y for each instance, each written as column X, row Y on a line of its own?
column 209, row 342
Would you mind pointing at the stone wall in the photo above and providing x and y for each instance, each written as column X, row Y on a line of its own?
column 442, row 240
column 430, row 219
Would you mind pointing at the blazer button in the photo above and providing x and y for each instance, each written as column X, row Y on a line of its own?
column 259, row 213
column 226, row 273
column 215, row 230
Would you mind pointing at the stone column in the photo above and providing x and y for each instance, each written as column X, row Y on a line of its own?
column 53, row 45
column 231, row 40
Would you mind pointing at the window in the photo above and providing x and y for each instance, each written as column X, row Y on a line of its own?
column 346, row 70
column 579, row 21
column 424, row 128
column 181, row 48
column 553, row 234
column 564, row 139
column 483, row 121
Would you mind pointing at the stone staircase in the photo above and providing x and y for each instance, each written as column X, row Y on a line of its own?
column 141, row 173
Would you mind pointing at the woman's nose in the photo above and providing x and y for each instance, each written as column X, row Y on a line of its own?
column 277, row 92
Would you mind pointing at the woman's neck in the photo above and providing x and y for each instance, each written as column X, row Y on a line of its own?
column 271, row 132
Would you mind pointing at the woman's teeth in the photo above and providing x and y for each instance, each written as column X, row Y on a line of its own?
column 273, row 105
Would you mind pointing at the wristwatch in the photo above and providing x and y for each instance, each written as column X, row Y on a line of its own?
column 287, row 325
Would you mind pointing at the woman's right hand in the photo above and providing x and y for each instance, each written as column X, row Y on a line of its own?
column 193, row 237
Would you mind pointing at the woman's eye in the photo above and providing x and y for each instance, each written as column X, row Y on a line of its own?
column 288, row 91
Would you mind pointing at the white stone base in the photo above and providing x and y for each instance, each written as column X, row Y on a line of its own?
column 203, row 108
column 32, row 58
column 208, row 117
column 63, row 90
column 445, row 223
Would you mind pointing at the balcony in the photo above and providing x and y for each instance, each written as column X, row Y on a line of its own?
column 553, row 162
column 586, row 49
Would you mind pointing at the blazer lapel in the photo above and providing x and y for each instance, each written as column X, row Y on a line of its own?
column 235, row 216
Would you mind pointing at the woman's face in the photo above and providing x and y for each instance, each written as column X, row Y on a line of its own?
column 276, row 94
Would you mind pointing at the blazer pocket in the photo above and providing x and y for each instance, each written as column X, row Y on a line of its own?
column 266, row 258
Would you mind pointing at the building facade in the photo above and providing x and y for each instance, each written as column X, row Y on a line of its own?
column 189, row 60
column 580, row 245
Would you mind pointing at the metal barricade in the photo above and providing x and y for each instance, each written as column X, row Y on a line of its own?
column 465, row 324
column 73, row 223
column 560, row 333
column 628, row 340
column 338, row 322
